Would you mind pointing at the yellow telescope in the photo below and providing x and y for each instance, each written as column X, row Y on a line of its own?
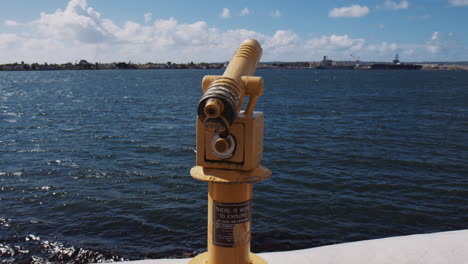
column 229, row 151
column 224, row 95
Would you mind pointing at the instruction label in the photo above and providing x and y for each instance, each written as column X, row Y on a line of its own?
column 231, row 223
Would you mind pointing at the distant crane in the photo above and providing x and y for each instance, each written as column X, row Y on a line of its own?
column 357, row 60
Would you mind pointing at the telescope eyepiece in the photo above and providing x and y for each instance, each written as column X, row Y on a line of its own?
column 213, row 108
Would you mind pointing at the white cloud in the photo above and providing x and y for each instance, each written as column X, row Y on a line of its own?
column 12, row 23
column 282, row 40
column 275, row 13
column 336, row 43
column 392, row 5
column 435, row 44
column 80, row 32
column 445, row 46
column 383, row 48
column 458, row 2
column 245, row 12
column 148, row 16
column 349, row 11
column 76, row 23
column 433, row 48
column 226, row 13
column 8, row 40
column 337, row 47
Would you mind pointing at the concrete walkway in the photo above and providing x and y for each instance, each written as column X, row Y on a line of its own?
column 438, row 248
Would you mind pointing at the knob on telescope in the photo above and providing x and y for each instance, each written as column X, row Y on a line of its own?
column 222, row 101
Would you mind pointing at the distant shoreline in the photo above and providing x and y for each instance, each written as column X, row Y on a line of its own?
column 85, row 65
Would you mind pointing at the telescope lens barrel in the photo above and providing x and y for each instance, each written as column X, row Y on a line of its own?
column 219, row 106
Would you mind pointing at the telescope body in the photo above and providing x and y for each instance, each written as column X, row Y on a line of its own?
column 224, row 97
column 228, row 138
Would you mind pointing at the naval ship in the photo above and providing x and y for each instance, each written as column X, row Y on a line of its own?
column 397, row 65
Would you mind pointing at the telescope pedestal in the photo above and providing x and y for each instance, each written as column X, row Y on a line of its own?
column 229, row 214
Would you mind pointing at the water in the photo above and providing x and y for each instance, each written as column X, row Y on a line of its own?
column 94, row 165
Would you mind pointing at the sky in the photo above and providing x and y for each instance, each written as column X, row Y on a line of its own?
column 60, row 31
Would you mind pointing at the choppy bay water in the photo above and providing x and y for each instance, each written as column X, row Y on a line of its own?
column 94, row 165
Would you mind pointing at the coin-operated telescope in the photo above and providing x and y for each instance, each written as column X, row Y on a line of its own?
column 229, row 151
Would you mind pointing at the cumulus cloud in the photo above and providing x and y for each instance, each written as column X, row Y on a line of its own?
column 349, row 11
column 283, row 42
column 458, row 2
column 226, row 13
column 275, row 13
column 392, row 5
column 76, row 23
column 245, row 12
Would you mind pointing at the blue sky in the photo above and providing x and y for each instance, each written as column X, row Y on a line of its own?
column 182, row 31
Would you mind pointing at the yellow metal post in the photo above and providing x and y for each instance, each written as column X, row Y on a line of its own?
column 229, row 151
column 239, row 251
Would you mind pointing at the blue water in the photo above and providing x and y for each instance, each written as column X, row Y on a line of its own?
column 94, row 165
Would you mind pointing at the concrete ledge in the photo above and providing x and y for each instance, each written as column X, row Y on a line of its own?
column 437, row 248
